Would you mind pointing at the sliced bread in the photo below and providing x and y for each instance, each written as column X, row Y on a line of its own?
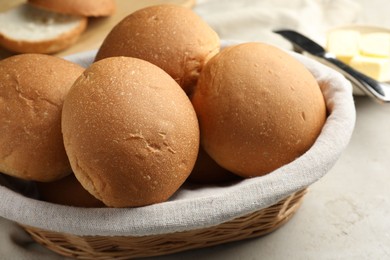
column 78, row 7
column 28, row 29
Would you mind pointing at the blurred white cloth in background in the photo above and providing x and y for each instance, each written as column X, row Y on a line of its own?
column 249, row 20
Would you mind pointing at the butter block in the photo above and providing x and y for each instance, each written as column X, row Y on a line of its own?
column 344, row 44
column 374, row 67
column 375, row 44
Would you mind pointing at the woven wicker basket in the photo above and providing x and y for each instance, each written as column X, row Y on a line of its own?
column 252, row 225
column 194, row 217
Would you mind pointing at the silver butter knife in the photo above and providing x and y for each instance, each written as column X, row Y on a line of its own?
column 379, row 91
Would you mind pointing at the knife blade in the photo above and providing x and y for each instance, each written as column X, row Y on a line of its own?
column 378, row 90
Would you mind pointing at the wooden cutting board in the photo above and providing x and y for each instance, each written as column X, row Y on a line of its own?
column 98, row 28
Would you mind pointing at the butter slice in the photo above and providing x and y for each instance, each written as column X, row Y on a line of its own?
column 344, row 44
column 374, row 67
column 375, row 44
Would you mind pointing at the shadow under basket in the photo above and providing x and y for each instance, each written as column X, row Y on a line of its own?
column 256, row 224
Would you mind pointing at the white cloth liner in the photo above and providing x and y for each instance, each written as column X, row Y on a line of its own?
column 195, row 207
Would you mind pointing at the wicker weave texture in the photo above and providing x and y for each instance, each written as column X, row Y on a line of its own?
column 255, row 224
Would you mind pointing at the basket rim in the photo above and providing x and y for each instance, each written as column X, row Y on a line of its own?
column 216, row 204
column 256, row 224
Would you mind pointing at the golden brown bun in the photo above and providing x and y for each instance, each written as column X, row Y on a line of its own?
column 130, row 132
column 33, row 87
column 27, row 29
column 78, row 7
column 67, row 191
column 207, row 171
column 258, row 109
column 171, row 37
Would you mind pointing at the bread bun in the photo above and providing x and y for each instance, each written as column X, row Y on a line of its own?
column 130, row 132
column 258, row 108
column 207, row 171
column 171, row 37
column 78, row 7
column 67, row 191
column 32, row 90
column 26, row 29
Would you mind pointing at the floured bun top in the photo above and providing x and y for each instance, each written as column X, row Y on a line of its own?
column 171, row 37
column 32, row 91
column 130, row 132
column 258, row 108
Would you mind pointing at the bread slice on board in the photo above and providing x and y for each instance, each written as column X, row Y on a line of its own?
column 27, row 29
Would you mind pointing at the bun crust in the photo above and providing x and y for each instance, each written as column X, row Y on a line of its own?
column 77, row 7
column 67, row 191
column 172, row 37
column 258, row 109
column 130, row 132
column 32, row 90
column 24, row 33
column 207, row 171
